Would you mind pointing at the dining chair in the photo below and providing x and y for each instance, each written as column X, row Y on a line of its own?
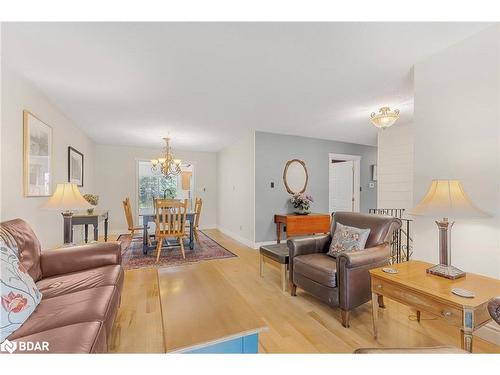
column 197, row 212
column 130, row 219
column 170, row 220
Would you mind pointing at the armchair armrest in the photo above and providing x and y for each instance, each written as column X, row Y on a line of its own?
column 302, row 246
column 364, row 257
column 79, row 258
column 353, row 276
column 494, row 309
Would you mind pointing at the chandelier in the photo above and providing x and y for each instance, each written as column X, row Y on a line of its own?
column 384, row 118
column 167, row 163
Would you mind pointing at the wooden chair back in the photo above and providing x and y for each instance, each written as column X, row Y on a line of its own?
column 128, row 213
column 170, row 217
column 197, row 210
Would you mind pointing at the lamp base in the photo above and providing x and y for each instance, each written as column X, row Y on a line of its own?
column 444, row 270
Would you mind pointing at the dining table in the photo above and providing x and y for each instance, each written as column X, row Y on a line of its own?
column 150, row 218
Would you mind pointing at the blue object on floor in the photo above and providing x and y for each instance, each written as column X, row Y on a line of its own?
column 241, row 345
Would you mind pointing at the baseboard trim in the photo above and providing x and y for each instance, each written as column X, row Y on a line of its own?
column 237, row 237
column 490, row 332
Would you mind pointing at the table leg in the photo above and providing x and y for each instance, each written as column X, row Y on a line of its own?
column 261, row 265
column 278, row 232
column 466, row 331
column 145, row 237
column 375, row 314
column 86, row 233
column 191, row 240
column 96, row 231
column 106, row 230
column 283, row 277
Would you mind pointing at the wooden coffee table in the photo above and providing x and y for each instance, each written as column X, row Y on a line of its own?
column 203, row 313
column 414, row 287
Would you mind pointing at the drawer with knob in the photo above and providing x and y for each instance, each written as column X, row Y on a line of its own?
column 419, row 301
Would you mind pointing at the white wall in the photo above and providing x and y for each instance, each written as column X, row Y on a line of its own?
column 18, row 95
column 395, row 167
column 236, row 190
column 116, row 178
column 457, row 136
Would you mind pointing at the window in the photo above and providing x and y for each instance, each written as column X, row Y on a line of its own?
column 152, row 185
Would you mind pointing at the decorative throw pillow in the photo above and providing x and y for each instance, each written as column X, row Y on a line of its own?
column 347, row 239
column 19, row 296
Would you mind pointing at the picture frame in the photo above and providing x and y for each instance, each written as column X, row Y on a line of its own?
column 75, row 166
column 37, row 156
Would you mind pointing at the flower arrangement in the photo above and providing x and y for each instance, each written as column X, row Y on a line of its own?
column 93, row 200
column 301, row 202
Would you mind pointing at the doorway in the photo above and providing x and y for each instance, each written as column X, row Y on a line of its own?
column 344, row 182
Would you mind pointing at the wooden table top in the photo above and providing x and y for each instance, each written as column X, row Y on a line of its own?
column 412, row 275
column 200, row 308
column 86, row 214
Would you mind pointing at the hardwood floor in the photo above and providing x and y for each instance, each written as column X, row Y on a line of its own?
column 299, row 324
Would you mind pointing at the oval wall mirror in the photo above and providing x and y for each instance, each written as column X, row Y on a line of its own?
column 295, row 176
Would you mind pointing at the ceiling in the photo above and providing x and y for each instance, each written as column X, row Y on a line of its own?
column 208, row 83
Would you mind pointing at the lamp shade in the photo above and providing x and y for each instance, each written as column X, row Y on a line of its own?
column 67, row 197
column 447, row 198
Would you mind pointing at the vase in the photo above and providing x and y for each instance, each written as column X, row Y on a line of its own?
column 302, row 211
column 90, row 211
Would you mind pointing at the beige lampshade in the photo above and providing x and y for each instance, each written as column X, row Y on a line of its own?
column 67, row 197
column 446, row 198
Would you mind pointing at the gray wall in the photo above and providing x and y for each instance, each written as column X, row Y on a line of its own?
column 272, row 151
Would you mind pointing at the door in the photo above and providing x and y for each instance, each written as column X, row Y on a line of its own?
column 341, row 185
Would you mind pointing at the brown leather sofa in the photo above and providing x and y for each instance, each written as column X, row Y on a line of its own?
column 345, row 281
column 81, row 289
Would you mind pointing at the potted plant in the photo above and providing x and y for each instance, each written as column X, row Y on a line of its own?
column 93, row 200
column 301, row 202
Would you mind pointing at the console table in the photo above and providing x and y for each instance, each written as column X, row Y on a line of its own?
column 297, row 225
column 84, row 218
column 203, row 313
column 414, row 287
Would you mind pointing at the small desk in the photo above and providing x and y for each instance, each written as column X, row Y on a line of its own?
column 297, row 225
column 150, row 218
column 414, row 287
column 84, row 218
column 203, row 313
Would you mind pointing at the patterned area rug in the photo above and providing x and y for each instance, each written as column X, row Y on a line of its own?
column 206, row 249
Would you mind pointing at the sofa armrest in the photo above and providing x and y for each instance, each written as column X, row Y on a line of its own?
column 364, row 257
column 303, row 246
column 494, row 309
column 79, row 258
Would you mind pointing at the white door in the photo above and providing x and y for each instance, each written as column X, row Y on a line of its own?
column 341, row 186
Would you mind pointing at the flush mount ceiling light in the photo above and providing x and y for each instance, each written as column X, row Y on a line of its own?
column 384, row 118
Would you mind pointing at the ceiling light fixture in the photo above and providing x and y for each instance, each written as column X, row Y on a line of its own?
column 168, row 164
column 384, row 118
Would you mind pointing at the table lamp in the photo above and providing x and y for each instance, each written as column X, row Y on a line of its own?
column 446, row 199
column 67, row 198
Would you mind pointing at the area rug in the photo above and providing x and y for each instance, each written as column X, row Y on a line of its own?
column 205, row 249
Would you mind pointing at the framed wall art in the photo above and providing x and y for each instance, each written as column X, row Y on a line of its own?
column 75, row 166
column 37, row 173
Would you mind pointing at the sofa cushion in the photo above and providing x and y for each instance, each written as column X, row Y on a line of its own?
column 19, row 295
column 73, row 282
column 346, row 238
column 96, row 304
column 318, row 267
column 88, row 337
column 28, row 246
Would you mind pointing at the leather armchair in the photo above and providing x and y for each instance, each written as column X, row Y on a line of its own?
column 494, row 309
column 345, row 281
